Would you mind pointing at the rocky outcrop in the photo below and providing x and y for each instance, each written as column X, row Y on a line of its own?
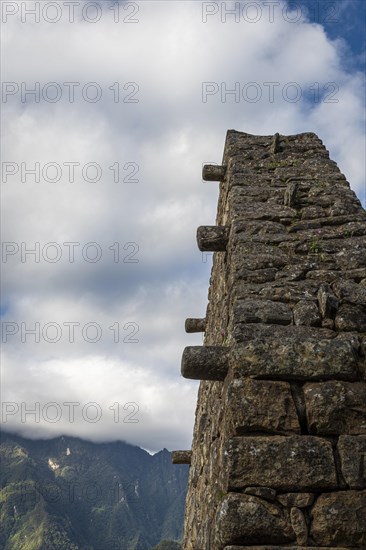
column 278, row 457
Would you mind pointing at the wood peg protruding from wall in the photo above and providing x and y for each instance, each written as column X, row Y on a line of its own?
column 205, row 362
column 275, row 145
column 212, row 238
column 195, row 325
column 181, row 457
column 213, row 172
column 291, row 194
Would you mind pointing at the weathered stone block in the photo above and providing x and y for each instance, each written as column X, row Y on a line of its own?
column 260, row 406
column 261, row 492
column 351, row 317
column 253, row 185
column 352, row 453
column 257, row 256
column 262, row 311
column 242, row 230
column 258, row 210
column 293, row 272
column 312, row 212
column 299, row 500
column 299, row 526
column 306, row 313
column 250, row 520
column 305, row 226
column 351, row 256
column 295, row 359
column 323, row 275
column 292, row 291
column 350, row 291
column 328, row 303
column 258, row 275
column 245, row 332
column 336, row 407
column 295, row 463
column 338, row 519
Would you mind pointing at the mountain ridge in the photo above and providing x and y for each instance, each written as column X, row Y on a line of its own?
column 69, row 494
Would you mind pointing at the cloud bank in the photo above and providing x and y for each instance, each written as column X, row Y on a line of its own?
column 100, row 265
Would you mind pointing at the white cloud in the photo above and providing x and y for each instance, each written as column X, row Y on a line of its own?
column 169, row 134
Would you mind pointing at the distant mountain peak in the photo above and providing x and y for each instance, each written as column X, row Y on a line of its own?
column 69, row 494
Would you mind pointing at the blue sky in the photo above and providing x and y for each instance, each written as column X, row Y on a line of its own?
column 342, row 19
column 103, row 168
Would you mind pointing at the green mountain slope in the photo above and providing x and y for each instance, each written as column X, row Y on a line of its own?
column 70, row 494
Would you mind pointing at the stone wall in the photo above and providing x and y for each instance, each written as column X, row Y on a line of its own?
column 279, row 449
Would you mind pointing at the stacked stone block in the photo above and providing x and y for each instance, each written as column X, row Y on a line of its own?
column 278, row 457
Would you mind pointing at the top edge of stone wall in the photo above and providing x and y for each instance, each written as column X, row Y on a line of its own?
column 234, row 137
